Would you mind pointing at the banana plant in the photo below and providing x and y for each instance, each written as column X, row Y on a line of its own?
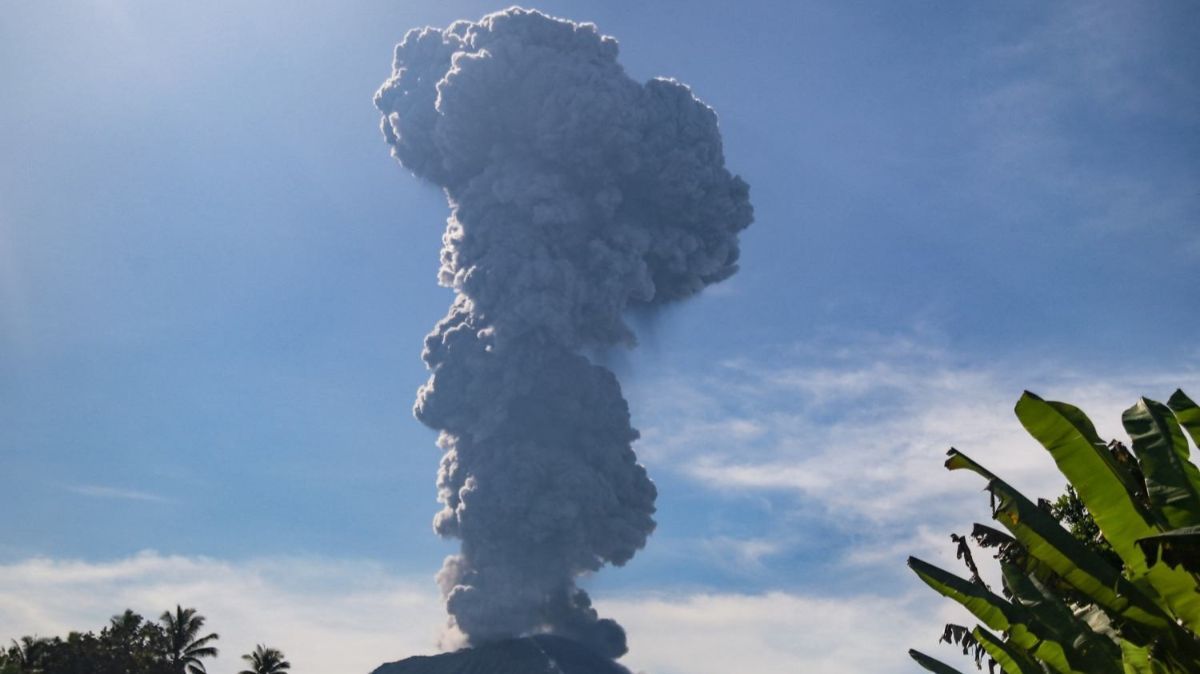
column 1064, row 608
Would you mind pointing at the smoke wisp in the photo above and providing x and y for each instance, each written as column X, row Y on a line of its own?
column 575, row 194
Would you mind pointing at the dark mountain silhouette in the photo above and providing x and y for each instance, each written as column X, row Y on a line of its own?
column 542, row 654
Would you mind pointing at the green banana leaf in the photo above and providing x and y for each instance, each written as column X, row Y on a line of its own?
column 1172, row 482
column 1066, row 609
column 1105, row 488
column 1107, row 491
column 1187, row 412
column 1178, row 547
column 1084, row 649
column 960, row 461
column 1045, row 540
column 1053, row 422
column 1009, row 549
column 1137, row 660
column 935, row 666
column 1012, row 659
column 996, row 613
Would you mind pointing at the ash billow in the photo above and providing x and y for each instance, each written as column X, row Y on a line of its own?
column 575, row 194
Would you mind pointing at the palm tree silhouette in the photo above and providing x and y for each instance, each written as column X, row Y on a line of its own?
column 126, row 622
column 265, row 661
column 183, row 646
column 26, row 653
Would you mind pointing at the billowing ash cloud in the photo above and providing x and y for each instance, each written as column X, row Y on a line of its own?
column 575, row 193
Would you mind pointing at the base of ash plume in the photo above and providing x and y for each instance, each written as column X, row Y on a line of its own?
column 542, row 654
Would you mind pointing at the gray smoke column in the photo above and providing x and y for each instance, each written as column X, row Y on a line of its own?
column 575, row 194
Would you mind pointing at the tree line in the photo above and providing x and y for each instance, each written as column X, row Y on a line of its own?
column 130, row 644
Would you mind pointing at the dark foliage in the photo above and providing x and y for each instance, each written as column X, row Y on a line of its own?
column 1069, row 510
column 964, row 553
column 961, row 636
column 129, row 644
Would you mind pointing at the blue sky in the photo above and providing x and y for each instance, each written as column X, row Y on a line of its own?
column 214, row 283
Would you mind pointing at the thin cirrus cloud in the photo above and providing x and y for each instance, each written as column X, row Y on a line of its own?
column 839, row 455
column 862, row 433
column 350, row 616
column 741, row 554
column 1095, row 70
column 107, row 492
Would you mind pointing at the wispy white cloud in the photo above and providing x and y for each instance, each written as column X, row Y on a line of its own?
column 861, row 434
column 741, row 555
column 1058, row 99
column 350, row 616
column 102, row 491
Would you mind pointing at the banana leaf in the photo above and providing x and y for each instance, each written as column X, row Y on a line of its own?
column 1107, row 491
column 1178, row 547
column 997, row 613
column 1084, row 649
column 1187, row 412
column 1012, row 659
column 1137, row 660
column 1172, row 482
column 1009, row 550
column 1045, row 540
column 935, row 666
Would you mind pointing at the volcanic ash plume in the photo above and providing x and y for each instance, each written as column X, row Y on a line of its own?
column 575, row 193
